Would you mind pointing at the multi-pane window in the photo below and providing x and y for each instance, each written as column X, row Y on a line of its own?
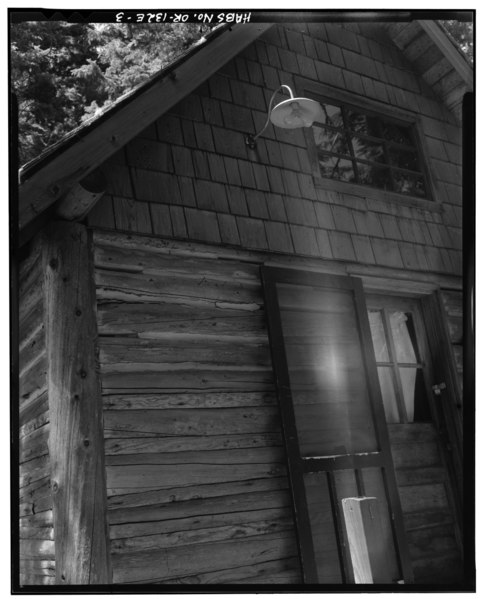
column 399, row 366
column 361, row 147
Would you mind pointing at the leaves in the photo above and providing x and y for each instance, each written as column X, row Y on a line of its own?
column 462, row 33
column 65, row 73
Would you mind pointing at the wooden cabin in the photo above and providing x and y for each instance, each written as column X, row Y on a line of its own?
column 242, row 363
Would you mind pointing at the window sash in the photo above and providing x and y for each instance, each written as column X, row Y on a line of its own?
column 390, row 146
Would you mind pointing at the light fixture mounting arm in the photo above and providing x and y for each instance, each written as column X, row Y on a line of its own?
column 251, row 140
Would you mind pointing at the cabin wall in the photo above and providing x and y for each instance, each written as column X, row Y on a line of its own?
column 37, row 555
column 195, row 465
column 190, row 176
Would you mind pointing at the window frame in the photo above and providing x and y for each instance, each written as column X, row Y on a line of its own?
column 403, row 117
column 386, row 304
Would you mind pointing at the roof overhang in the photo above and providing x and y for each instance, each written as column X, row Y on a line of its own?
column 50, row 177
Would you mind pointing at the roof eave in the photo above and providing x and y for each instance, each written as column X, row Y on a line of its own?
column 48, row 178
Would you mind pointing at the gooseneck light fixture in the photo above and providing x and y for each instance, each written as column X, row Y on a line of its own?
column 293, row 113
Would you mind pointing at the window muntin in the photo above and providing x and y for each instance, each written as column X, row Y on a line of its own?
column 369, row 149
column 399, row 366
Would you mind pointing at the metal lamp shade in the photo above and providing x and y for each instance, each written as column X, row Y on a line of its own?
column 295, row 113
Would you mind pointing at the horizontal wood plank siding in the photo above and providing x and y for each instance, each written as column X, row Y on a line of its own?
column 37, row 549
column 196, row 472
column 427, row 507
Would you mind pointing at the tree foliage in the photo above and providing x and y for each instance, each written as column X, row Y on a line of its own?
column 462, row 33
column 64, row 73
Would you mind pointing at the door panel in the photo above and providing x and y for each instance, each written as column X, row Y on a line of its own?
column 415, row 425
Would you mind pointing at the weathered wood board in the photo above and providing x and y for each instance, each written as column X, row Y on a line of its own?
column 196, row 471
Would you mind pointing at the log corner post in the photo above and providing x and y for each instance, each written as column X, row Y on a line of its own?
column 76, row 439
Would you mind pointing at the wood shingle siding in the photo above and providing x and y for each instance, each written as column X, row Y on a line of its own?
column 196, row 473
column 195, row 157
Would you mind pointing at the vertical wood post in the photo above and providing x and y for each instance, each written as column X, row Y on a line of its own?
column 76, row 437
column 365, row 537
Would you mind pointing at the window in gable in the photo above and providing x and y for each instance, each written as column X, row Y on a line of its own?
column 361, row 147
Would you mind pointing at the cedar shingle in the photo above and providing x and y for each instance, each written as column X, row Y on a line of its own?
column 357, row 63
column 304, row 239
column 212, row 113
column 228, row 229
column 229, row 143
column 387, row 253
column 187, row 195
column 274, row 153
column 353, row 82
column 237, row 117
column 300, row 212
column 270, row 76
column 273, row 58
column 306, row 185
column 342, row 37
column 260, row 176
column 291, row 183
column 152, row 155
column 118, row 180
column 254, row 72
column 288, row 61
column 256, row 203
column 329, row 74
column 406, row 229
column 248, row 95
column 341, row 244
column 275, row 179
column 211, row 196
column 246, row 173
column 343, row 219
column 151, row 186
column 132, row 215
column 182, row 159
column 278, row 237
column 335, row 54
column 232, row 170
column 324, row 215
column 409, row 256
column 295, row 41
column 201, row 165
column 323, row 243
column 189, row 107
column 219, row 88
column 178, row 221
column 252, row 233
column 390, row 227
column 202, row 225
column 102, row 214
column 161, row 223
column 368, row 223
column 237, row 200
column 275, row 206
column 456, row 236
column 289, row 157
column 307, row 67
column 169, row 129
column 149, row 132
column 363, row 249
column 188, row 133
column 216, row 166
column 203, row 136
